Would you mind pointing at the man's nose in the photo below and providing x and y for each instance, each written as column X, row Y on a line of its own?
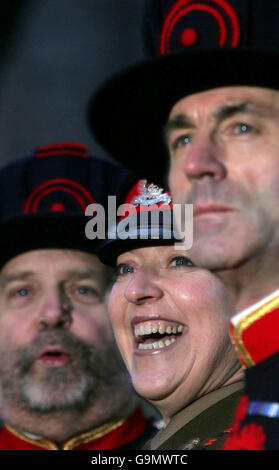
column 56, row 311
column 204, row 158
column 142, row 289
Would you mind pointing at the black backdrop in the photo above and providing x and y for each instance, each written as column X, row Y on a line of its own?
column 54, row 53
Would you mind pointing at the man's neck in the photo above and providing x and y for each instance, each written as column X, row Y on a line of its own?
column 253, row 280
column 63, row 425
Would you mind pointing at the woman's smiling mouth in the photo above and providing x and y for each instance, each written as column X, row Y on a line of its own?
column 153, row 335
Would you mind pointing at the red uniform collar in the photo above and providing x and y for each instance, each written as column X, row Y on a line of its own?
column 112, row 435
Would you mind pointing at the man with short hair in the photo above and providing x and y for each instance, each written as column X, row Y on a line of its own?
column 62, row 381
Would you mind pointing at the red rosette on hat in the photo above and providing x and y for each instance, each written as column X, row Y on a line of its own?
column 145, row 217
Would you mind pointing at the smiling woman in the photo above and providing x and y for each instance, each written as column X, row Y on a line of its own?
column 171, row 321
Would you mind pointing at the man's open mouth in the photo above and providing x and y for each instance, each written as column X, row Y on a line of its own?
column 54, row 356
column 152, row 335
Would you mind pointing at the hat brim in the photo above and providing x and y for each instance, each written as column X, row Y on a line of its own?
column 111, row 249
column 128, row 113
column 159, row 232
column 35, row 232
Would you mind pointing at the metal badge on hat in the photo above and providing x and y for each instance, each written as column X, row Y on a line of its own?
column 151, row 194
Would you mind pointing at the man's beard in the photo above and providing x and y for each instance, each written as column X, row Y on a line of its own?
column 73, row 386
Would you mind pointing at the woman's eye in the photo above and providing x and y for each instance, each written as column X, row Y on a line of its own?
column 181, row 261
column 123, row 269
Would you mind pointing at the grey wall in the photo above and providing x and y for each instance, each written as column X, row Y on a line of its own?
column 58, row 52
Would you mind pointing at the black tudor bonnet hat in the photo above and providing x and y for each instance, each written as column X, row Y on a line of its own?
column 43, row 198
column 192, row 46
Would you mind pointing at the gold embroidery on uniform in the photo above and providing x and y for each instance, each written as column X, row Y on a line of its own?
column 246, row 322
column 92, row 435
column 38, row 442
column 74, row 441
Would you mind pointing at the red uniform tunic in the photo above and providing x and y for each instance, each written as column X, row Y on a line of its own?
column 114, row 435
column 255, row 334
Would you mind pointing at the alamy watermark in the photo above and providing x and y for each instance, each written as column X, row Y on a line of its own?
column 142, row 222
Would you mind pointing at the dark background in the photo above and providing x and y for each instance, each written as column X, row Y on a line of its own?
column 54, row 54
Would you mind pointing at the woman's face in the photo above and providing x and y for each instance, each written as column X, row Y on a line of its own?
column 170, row 320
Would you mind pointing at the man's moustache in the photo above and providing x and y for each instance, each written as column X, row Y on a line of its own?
column 219, row 193
column 60, row 338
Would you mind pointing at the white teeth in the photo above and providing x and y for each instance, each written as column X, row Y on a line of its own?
column 145, row 346
column 157, row 344
column 162, row 329
column 148, row 328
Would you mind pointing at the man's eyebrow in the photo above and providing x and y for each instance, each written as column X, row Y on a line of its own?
column 249, row 107
column 183, row 121
column 180, row 121
column 20, row 276
column 228, row 110
column 103, row 277
column 85, row 274
column 74, row 274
